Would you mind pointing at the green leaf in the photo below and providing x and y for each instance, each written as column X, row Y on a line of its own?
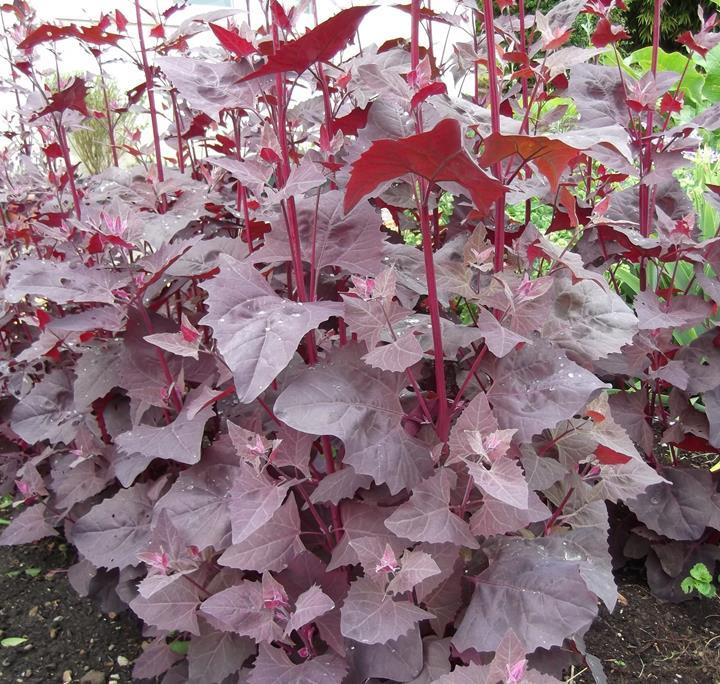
column 12, row 573
column 700, row 572
column 4, row 521
column 687, row 585
column 10, row 642
column 32, row 572
column 692, row 84
column 711, row 88
column 707, row 590
column 180, row 647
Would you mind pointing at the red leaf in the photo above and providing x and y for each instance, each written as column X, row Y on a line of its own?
column 280, row 16
column 670, row 103
column 551, row 157
column 704, row 40
column 157, row 31
column 43, row 318
column 607, row 33
column 317, row 45
column 96, row 244
column 436, row 155
column 53, row 151
column 97, row 35
column 46, row 33
column 435, row 88
column 120, row 21
column 351, row 123
column 72, row 97
column 608, row 456
column 232, row 41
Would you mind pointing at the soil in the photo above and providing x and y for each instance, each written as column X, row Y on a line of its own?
column 69, row 640
column 646, row 640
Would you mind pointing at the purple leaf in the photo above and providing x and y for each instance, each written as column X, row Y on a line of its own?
column 680, row 509
column 155, row 660
column 470, row 674
column 73, row 482
column 62, row 282
column 47, row 411
column 588, row 547
column 543, row 600
column 251, row 173
column 587, row 320
column 496, row 517
column 198, row 505
column 370, row 616
column 310, row 604
column 361, row 520
column 241, row 609
column 397, row 660
column 112, row 533
column 27, row 526
column 426, row 516
column 294, row 450
column 207, row 86
column 396, row 356
column 215, row 655
column 254, row 498
column 274, row 667
column 503, row 480
column 538, row 386
column 179, row 441
column 682, row 312
column 477, row 417
column 359, row 405
column 368, row 319
column 271, row 546
column 499, row 339
column 328, row 237
column 257, row 332
column 174, row 607
column 342, row 484
column 415, row 567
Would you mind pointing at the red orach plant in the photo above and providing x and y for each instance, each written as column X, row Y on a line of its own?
column 313, row 451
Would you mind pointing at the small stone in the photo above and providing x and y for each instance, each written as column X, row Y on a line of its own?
column 67, row 676
column 122, row 661
column 112, row 616
column 53, row 632
column 58, row 618
column 33, row 611
column 93, row 677
column 111, row 647
column 115, row 677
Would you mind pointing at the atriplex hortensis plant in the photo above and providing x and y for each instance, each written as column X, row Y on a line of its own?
column 317, row 453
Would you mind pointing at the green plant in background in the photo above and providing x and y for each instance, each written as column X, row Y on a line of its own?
column 677, row 16
column 91, row 143
column 700, row 579
column 446, row 206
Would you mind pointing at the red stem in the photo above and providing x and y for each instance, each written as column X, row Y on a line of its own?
column 150, row 93
column 62, row 141
column 499, row 257
column 178, row 124
column 442, row 426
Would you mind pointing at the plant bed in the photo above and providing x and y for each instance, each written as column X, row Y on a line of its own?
column 355, row 377
column 646, row 639
column 63, row 632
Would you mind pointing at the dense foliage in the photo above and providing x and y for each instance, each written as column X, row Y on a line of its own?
column 306, row 386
